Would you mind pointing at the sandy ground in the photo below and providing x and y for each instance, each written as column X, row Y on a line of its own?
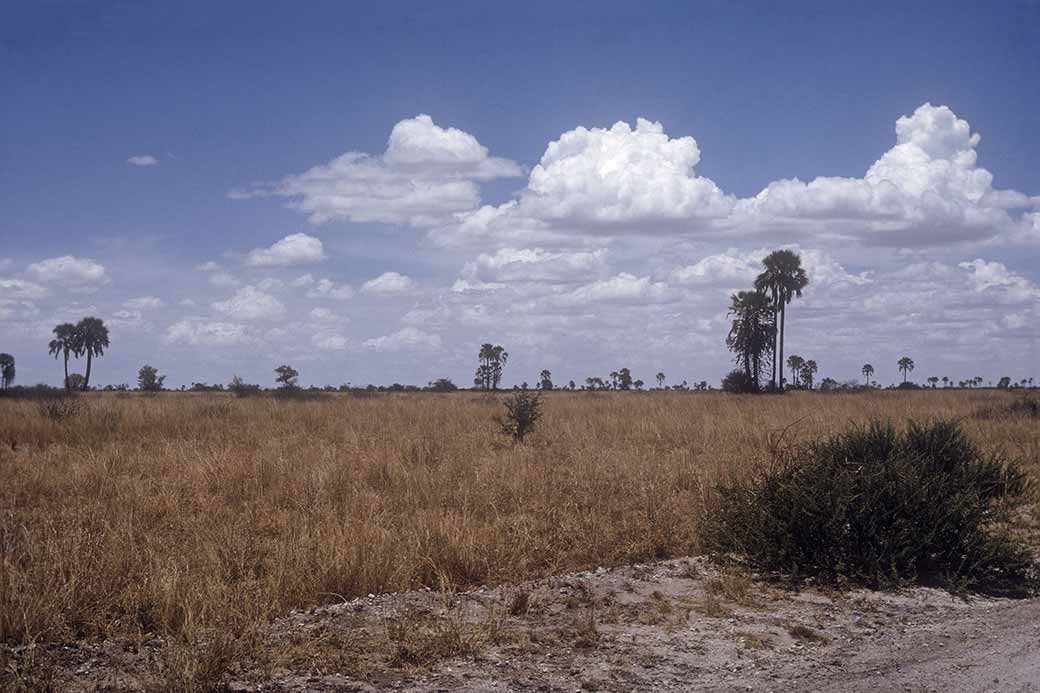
column 671, row 626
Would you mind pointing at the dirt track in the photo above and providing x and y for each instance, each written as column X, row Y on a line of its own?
column 681, row 625
column 672, row 626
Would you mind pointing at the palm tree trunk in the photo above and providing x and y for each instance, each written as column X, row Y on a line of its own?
column 86, row 379
column 783, row 314
column 66, row 370
column 774, row 353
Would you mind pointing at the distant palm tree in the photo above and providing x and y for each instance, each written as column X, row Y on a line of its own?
column 545, row 379
column 867, row 371
column 750, row 336
column 906, row 364
column 660, row 381
column 795, row 363
column 7, row 371
column 65, row 342
column 784, row 279
column 809, row 369
column 492, row 359
column 946, row 381
column 92, row 339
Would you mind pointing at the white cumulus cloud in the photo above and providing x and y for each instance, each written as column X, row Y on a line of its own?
column 622, row 288
column 926, row 190
column 405, row 339
column 294, row 249
column 208, row 334
column 388, row 284
column 330, row 342
column 250, row 303
column 536, row 265
column 21, row 289
column 426, row 174
column 143, row 160
column 324, row 288
column 69, row 271
column 622, row 174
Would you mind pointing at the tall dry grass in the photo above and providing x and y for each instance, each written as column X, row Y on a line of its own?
column 189, row 514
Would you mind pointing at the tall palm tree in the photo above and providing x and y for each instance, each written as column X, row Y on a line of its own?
column 906, row 364
column 867, row 371
column 795, row 362
column 65, row 342
column 487, row 352
column 92, row 339
column 660, row 381
column 784, row 278
column 751, row 335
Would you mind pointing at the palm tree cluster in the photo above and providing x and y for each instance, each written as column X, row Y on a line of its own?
column 783, row 279
column 492, row 362
column 756, row 334
column 87, row 337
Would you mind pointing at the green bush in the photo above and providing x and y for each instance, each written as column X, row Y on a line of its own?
column 880, row 508
column 736, row 381
column 522, row 412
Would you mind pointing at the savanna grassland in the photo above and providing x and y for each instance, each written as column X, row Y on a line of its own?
column 200, row 517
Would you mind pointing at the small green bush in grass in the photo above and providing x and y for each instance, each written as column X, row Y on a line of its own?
column 876, row 507
column 522, row 413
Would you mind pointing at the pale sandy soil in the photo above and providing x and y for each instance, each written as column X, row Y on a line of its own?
column 671, row 626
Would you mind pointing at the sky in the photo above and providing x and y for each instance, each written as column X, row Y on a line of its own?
column 370, row 193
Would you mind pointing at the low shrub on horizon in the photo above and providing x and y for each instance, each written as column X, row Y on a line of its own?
column 880, row 508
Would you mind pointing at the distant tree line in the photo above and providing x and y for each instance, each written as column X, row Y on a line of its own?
column 756, row 338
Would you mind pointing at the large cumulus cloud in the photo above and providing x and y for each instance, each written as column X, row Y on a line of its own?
column 426, row 174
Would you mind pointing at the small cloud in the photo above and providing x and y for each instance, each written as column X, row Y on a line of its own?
column 144, row 303
column 69, row 271
column 322, row 315
column 21, row 289
column 326, row 288
column 250, row 303
column 193, row 333
column 330, row 342
column 143, row 160
column 295, row 249
column 387, row 284
column 222, row 279
column 405, row 339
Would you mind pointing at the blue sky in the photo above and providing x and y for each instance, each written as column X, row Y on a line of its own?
column 618, row 250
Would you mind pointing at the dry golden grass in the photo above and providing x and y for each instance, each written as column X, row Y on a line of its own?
column 184, row 515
